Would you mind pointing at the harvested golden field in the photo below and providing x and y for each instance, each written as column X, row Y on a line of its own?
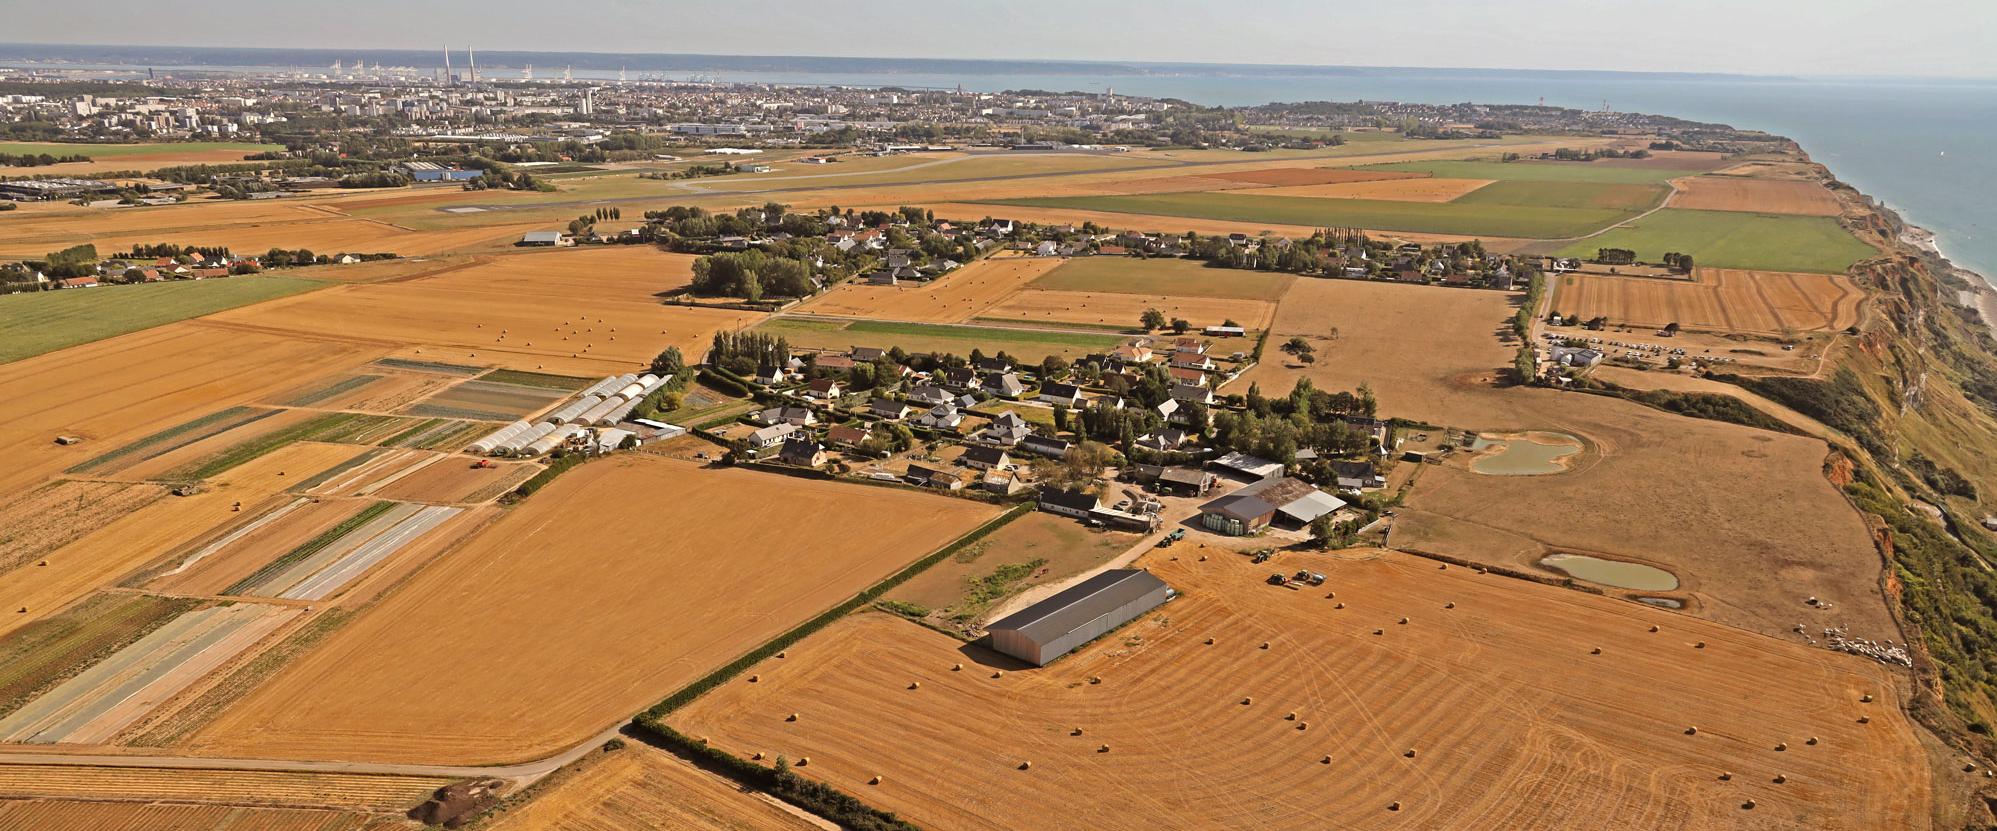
column 348, row 791
column 1716, row 300
column 107, row 158
column 191, row 370
column 1282, row 177
column 451, row 478
column 78, row 815
column 1124, row 310
column 1432, row 354
column 1771, row 196
column 58, row 513
column 1764, row 169
column 959, row 296
column 1398, row 190
column 575, row 609
column 1743, row 518
column 137, row 538
column 1491, row 713
column 641, row 788
column 576, row 311
column 247, row 227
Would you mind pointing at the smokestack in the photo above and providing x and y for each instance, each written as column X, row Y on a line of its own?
column 449, row 79
column 473, row 60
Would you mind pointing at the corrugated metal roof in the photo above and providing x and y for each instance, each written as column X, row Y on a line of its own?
column 1066, row 611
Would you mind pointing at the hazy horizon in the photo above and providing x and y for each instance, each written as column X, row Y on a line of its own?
column 1925, row 39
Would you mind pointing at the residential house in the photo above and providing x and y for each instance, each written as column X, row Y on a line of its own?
column 985, row 458
column 941, row 417
column 1194, row 377
column 868, row 354
column 1192, row 394
column 992, row 364
column 1047, row 248
column 771, row 436
column 824, row 389
column 802, row 450
column 800, row 416
column 931, row 478
column 1132, row 353
column 835, row 362
column 1045, row 445
column 1066, row 395
column 1006, row 430
column 927, row 395
column 849, row 438
column 960, row 378
column 1190, row 359
column 1356, row 475
column 887, row 409
column 1004, row 385
column 769, row 375
column 1170, row 438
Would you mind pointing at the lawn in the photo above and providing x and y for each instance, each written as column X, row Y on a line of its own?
column 1176, row 278
column 1024, row 344
column 113, row 151
column 1536, row 171
column 1732, row 239
column 1471, row 220
column 38, row 322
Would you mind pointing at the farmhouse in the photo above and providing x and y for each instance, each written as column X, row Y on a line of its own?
column 1079, row 614
column 1186, row 481
column 1076, row 504
column 1356, row 475
column 928, row 395
column 985, row 458
column 932, row 478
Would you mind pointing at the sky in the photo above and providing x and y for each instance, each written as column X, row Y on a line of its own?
column 1916, row 38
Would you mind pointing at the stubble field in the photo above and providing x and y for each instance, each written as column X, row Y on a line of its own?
column 581, row 606
column 959, row 296
column 1725, row 193
column 1485, row 709
column 1716, row 300
column 643, row 789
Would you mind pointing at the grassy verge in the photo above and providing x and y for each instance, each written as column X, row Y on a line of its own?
column 309, row 548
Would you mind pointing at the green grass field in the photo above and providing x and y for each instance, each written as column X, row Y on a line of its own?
column 1024, row 344
column 1471, row 220
column 105, row 152
column 38, row 322
column 1732, row 239
column 1536, row 171
column 1530, row 193
column 1176, row 278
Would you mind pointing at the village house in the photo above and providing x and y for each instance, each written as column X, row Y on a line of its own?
column 1045, row 445
column 941, row 417
column 770, row 436
column 985, row 458
column 1192, row 394
column 1066, row 395
column 799, row 416
column 932, row 478
column 888, row 409
column 1006, row 430
column 849, row 438
column 824, row 389
column 801, row 450
column 929, row 395
column 1004, row 385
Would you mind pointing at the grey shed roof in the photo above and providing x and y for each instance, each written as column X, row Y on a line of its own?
column 543, row 236
column 1078, row 604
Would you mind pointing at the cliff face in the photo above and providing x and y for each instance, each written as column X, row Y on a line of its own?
column 1916, row 389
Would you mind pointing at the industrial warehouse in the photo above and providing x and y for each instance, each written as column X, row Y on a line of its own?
column 1080, row 613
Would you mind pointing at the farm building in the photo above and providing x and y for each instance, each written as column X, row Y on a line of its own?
column 1079, row 614
column 544, row 238
column 1237, row 514
column 1076, row 504
column 1293, row 502
column 1250, row 466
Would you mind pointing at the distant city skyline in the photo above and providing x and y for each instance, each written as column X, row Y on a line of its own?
column 1911, row 38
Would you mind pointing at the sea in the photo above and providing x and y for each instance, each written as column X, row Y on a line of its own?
column 1922, row 146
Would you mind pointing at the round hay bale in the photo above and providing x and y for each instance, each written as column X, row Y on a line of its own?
column 1102, row 749
column 1393, row 806
column 703, row 741
column 915, row 685
column 1699, row 645
column 1077, row 732
column 1247, row 701
column 957, row 668
column 1691, row 731
column 1209, row 641
column 1595, row 651
column 1748, row 805
column 791, row 717
column 758, row 756
column 1726, row 776
column 1025, row 765
column 1781, row 746
column 754, row 678
column 1326, row 760
column 1866, row 698
column 1265, row 644
column 1291, row 717
column 803, row 760
column 1404, row 621
column 1864, row 719
column 1410, row 753
column 783, row 654
column 1450, row 605
column 1780, row 778
column 1303, row 725
column 1095, row 679
column 1812, row 741
column 875, row 781
column 1379, row 631
column 998, row 673
column 1653, row 627
column 1341, row 605
column 1329, row 595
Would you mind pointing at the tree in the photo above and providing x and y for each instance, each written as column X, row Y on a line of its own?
column 1152, row 320
column 668, row 362
column 1180, row 325
column 1324, row 529
column 1061, row 418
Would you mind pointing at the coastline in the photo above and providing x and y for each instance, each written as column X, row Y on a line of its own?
column 1982, row 293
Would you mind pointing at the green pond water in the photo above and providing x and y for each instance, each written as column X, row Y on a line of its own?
column 1611, row 572
column 1538, row 454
